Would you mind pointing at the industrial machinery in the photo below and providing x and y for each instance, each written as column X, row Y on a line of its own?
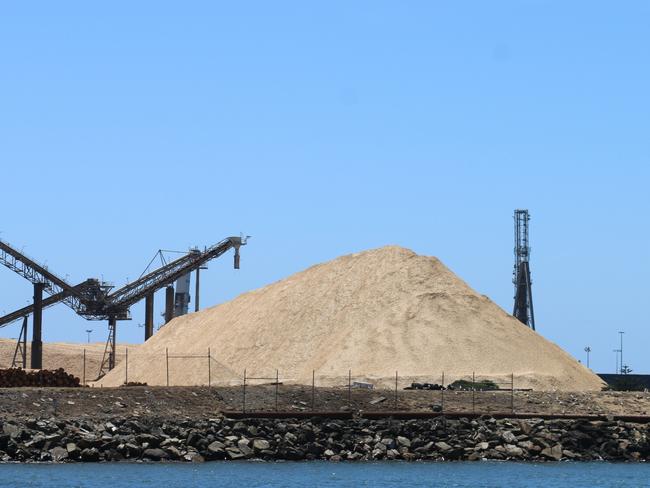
column 523, row 309
column 94, row 300
column 182, row 296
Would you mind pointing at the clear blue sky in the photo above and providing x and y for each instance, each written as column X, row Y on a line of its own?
column 332, row 127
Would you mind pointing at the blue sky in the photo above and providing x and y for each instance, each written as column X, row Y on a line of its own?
column 327, row 128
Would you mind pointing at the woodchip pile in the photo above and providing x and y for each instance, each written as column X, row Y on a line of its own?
column 372, row 313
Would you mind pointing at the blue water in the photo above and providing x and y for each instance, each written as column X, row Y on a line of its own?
column 323, row 474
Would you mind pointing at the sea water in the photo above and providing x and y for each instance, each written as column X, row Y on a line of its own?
column 324, row 474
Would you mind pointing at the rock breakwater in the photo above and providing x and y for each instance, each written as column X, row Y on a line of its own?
column 440, row 439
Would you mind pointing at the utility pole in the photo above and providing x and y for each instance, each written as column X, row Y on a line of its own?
column 587, row 350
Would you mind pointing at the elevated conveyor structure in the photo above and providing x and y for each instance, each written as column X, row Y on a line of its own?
column 79, row 298
column 117, row 303
column 94, row 300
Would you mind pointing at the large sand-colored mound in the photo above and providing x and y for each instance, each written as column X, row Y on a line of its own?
column 374, row 313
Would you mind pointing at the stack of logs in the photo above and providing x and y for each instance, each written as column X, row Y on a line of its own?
column 15, row 377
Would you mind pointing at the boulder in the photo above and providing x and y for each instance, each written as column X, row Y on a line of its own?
column 508, row 437
column 403, row 441
column 90, row 455
column 261, row 445
column 73, row 451
column 443, row 446
column 234, row 453
column 554, row 452
column 155, row 454
column 194, row 457
column 59, row 454
column 513, row 451
column 216, row 447
column 481, row 446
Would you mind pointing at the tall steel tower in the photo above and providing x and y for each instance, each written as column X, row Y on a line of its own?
column 523, row 309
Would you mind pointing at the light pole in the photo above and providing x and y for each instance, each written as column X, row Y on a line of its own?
column 617, row 370
column 88, row 331
column 587, row 350
column 620, row 333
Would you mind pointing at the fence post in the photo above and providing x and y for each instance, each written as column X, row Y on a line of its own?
column 243, row 408
column 126, row 366
column 84, row 369
column 473, row 392
column 277, row 384
column 442, row 394
column 167, row 364
column 313, row 388
column 209, row 368
column 349, row 389
column 395, row 390
column 512, row 392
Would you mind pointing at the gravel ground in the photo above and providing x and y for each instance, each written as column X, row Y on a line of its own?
column 195, row 402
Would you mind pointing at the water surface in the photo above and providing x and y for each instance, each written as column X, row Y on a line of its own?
column 324, row 474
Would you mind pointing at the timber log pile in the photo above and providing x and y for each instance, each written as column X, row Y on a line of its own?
column 15, row 377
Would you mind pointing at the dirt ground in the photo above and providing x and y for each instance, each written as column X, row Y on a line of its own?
column 195, row 402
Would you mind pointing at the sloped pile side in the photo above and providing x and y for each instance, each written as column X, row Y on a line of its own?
column 374, row 313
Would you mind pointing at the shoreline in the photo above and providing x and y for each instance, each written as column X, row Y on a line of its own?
column 442, row 439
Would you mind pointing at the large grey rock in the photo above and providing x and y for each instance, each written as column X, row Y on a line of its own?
column 234, row 453
column 150, row 440
column 14, row 431
column 90, row 455
column 173, row 452
column 554, row 452
column 216, row 447
column 392, row 454
column 481, row 446
column 380, row 446
column 388, row 442
column 378, row 453
column 261, row 444
column 525, row 427
column 194, row 457
column 443, row 446
column 508, row 437
column 403, row 441
column 155, row 454
column 73, row 451
column 58, row 454
column 514, row 451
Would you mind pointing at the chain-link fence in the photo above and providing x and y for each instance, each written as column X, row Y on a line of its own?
column 272, row 391
column 470, row 393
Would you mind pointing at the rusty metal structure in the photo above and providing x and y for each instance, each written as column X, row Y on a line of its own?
column 95, row 300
